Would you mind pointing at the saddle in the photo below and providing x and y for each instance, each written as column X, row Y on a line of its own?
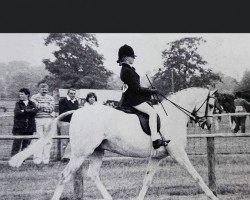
column 143, row 118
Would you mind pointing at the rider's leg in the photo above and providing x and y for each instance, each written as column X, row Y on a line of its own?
column 146, row 108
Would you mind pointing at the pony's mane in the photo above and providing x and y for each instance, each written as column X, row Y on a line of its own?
column 192, row 93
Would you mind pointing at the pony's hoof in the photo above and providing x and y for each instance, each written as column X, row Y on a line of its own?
column 13, row 162
column 214, row 198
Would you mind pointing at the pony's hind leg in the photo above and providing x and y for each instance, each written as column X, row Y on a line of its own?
column 151, row 169
column 95, row 162
column 180, row 155
column 73, row 165
column 80, row 150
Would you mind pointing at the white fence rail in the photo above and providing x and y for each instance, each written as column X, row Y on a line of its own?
column 78, row 179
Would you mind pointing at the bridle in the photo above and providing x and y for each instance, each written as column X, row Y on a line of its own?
column 198, row 119
column 193, row 114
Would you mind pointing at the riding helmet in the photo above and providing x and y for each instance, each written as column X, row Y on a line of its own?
column 124, row 51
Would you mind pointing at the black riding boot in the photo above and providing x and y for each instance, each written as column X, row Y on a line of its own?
column 158, row 143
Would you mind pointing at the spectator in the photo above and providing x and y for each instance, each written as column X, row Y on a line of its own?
column 240, row 106
column 24, row 120
column 45, row 105
column 91, row 99
column 66, row 104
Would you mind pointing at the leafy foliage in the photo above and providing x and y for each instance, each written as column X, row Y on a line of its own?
column 182, row 60
column 114, row 82
column 228, row 84
column 18, row 74
column 77, row 64
column 244, row 84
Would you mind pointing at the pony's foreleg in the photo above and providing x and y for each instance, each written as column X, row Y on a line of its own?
column 181, row 157
column 73, row 165
column 95, row 162
column 151, row 169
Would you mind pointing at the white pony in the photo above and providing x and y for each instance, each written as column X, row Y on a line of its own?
column 97, row 128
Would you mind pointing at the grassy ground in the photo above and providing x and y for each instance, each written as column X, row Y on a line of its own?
column 123, row 179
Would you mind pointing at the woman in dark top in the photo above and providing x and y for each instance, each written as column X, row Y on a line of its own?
column 91, row 98
column 136, row 96
column 24, row 120
column 68, row 103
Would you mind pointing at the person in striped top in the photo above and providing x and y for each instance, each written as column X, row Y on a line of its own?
column 46, row 105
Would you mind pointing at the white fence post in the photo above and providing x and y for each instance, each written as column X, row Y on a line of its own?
column 211, row 162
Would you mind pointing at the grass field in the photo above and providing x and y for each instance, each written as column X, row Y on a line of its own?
column 123, row 178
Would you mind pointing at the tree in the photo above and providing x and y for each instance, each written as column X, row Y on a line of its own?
column 244, row 84
column 182, row 62
column 77, row 63
column 228, row 84
column 114, row 82
column 17, row 74
column 28, row 78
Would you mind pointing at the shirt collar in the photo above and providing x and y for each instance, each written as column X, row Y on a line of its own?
column 26, row 102
column 127, row 65
column 69, row 99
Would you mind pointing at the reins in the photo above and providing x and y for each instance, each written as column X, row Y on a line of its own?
column 192, row 115
column 157, row 96
column 185, row 111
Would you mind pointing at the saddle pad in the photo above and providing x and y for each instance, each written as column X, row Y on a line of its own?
column 143, row 118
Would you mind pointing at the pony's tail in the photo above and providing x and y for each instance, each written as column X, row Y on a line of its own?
column 50, row 132
column 52, row 129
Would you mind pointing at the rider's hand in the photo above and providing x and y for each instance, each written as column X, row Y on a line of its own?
column 153, row 91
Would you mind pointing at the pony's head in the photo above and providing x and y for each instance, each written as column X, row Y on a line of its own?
column 197, row 103
column 204, row 108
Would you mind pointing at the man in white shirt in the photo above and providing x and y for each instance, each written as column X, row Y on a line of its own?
column 66, row 104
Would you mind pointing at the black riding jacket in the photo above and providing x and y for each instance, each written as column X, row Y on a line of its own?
column 133, row 94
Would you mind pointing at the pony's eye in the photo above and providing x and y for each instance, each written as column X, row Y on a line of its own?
column 210, row 106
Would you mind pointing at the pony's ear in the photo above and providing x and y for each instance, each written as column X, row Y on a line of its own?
column 213, row 92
